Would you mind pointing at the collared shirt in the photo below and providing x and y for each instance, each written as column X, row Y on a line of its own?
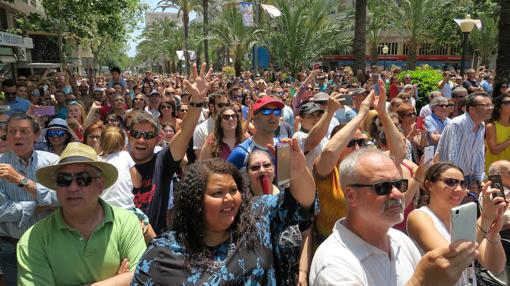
column 464, row 147
column 201, row 132
column 17, row 206
column 346, row 259
column 53, row 253
column 345, row 114
column 434, row 124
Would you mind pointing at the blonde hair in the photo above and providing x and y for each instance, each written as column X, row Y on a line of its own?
column 112, row 140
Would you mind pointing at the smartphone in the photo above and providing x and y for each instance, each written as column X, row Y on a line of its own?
column 463, row 222
column 496, row 183
column 283, row 164
column 428, row 153
column 420, row 123
column 44, row 110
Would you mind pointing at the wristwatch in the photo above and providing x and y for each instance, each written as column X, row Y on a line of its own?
column 197, row 105
column 23, row 183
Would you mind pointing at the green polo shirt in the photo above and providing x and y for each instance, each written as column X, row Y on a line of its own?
column 52, row 253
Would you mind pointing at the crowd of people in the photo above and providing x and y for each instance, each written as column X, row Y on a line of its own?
column 151, row 179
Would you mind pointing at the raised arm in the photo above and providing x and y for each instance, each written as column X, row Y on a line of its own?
column 302, row 185
column 328, row 158
column 198, row 90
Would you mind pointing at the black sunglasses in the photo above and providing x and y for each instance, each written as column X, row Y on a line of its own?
column 384, row 188
column 139, row 134
column 360, row 142
column 83, row 179
column 454, row 183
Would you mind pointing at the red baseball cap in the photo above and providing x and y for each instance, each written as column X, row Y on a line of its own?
column 261, row 102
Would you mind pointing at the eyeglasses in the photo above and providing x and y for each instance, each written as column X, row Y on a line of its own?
column 228, row 117
column 384, row 188
column 154, row 95
column 56, row 133
column 221, row 105
column 443, row 105
column 139, row 134
column 485, row 106
column 83, row 179
column 454, row 183
column 138, row 99
column 360, row 142
column 166, row 107
column 3, row 137
column 268, row 111
column 266, row 166
column 410, row 114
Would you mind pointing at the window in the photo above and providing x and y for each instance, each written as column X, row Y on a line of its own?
column 3, row 19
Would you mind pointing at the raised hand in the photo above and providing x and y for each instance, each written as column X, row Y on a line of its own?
column 201, row 84
column 334, row 102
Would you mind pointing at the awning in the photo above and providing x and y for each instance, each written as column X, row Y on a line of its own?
column 7, row 59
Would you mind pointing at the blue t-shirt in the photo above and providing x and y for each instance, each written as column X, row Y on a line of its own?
column 18, row 105
column 239, row 156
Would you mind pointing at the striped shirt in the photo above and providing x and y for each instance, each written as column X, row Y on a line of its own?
column 463, row 146
column 17, row 206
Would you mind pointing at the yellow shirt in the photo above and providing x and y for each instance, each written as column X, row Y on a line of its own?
column 332, row 202
column 502, row 134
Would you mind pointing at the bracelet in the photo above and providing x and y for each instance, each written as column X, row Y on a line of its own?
column 197, row 105
column 481, row 229
column 416, row 179
column 493, row 242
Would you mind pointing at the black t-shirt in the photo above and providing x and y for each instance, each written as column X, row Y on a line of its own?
column 152, row 197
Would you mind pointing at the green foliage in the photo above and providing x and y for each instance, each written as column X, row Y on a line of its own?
column 228, row 70
column 426, row 79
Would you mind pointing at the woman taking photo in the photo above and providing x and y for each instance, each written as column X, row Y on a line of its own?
column 168, row 113
column 219, row 236
column 498, row 132
column 227, row 134
column 429, row 226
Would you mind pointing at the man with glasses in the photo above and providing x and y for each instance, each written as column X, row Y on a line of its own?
column 438, row 120
column 471, row 84
column 23, row 202
column 266, row 119
column 364, row 249
column 427, row 109
column 462, row 141
column 217, row 101
column 154, row 101
column 16, row 103
column 85, row 240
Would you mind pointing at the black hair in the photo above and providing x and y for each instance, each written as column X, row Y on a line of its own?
column 497, row 101
column 115, row 69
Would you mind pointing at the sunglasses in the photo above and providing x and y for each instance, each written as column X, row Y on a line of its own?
column 454, row 183
column 3, row 137
column 138, row 99
column 83, row 179
column 384, row 188
column 139, row 134
column 255, row 168
column 410, row 114
column 228, row 117
column 360, row 142
column 268, row 111
column 221, row 105
column 166, row 107
column 443, row 105
column 56, row 133
column 451, row 105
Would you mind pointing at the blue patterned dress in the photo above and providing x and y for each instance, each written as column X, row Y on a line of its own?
column 163, row 262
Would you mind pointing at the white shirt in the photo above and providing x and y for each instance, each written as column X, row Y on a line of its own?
column 315, row 152
column 346, row 259
column 120, row 194
column 201, row 132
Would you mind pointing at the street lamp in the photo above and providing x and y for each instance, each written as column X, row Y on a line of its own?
column 385, row 51
column 466, row 26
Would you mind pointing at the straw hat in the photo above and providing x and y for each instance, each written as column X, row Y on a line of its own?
column 76, row 152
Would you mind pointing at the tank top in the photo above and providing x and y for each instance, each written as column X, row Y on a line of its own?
column 468, row 277
column 502, row 134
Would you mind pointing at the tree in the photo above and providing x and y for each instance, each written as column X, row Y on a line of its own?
column 503, row 59
column 377, row 27
column 205, row 9
column 359, row 42
column 185, row 7
column 484, row 40
column 303, row 33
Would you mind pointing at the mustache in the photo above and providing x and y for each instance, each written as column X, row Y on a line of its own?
column 393, row 202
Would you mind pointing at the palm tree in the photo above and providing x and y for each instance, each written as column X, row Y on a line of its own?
column 185, row 7
column 205, row 8
column 484, row 40
column 377, row 28
column 359, row 42
column 303, row 33
column 503, row 60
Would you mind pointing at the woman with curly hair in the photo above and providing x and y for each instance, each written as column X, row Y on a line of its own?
column 227, row 134
column 220, row 237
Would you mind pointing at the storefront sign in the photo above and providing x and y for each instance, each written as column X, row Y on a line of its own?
column 12, row 40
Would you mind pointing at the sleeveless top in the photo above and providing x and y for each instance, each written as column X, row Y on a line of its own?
column 468, row 277
column 502, row 134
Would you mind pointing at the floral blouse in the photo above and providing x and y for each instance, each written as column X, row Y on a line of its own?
column 163, row 262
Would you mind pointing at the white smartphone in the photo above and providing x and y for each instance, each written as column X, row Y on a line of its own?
column 283, row 164
column 463, row 222
column 428, row 153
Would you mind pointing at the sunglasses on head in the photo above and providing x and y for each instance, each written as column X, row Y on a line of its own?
column 268, row 111
column 360, row 142
column 255, row 168
column 384, row 188
column 228, row 116
column 56, row 133
column 139, row 134
column 83, row 179
column 454, row 183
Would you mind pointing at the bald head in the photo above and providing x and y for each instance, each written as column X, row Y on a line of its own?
column 499, row 167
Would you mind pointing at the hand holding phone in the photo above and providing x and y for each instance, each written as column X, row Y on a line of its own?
column 420, row 123
column 496, row 183
column 283, row 164
column 428, row 153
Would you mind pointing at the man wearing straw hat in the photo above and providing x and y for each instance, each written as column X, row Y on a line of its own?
column 85, row 240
